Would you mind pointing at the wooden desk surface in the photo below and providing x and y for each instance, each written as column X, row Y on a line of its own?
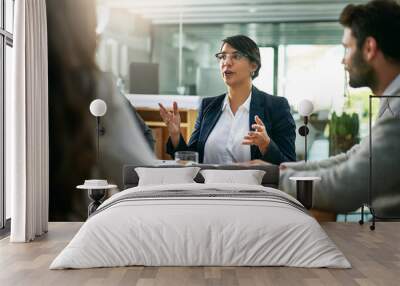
column 322, row 216
column 374, row 255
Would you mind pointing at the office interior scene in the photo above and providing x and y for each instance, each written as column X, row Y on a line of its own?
column 220, row 142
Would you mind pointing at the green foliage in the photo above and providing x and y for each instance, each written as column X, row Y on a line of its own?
column 343, row 132
column 358, row 101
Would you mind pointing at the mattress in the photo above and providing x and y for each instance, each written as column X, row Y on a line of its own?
column 201, row 225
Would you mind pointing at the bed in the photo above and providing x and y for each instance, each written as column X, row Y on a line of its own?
column 201, row 224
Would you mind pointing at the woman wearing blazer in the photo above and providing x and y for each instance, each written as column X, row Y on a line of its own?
column 241, row 125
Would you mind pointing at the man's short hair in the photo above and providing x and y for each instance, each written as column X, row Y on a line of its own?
column 379, row 19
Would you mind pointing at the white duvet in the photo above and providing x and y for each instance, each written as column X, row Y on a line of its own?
column 185, row 231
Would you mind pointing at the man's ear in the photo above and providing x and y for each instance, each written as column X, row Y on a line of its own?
column 370, row 48
column 254, row 67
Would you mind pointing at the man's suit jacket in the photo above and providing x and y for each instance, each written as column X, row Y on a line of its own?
column 344, row 180
column 274, row 111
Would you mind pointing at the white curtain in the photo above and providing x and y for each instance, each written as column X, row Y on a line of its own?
column 27, row 145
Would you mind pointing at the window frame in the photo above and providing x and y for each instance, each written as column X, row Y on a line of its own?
column 6, row 39
column 275, row 49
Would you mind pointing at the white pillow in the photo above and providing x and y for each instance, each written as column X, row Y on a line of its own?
column 248, row 177
column 166, row 176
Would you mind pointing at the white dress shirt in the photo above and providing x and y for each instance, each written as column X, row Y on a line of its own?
column 224, row 144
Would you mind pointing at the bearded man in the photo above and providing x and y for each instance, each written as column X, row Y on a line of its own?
column 372, row 59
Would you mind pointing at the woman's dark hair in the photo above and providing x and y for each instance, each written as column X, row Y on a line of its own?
column 379, row 19
column 71, row 26
column 246, row 46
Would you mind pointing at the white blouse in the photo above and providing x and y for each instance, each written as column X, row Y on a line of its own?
column 224, row 144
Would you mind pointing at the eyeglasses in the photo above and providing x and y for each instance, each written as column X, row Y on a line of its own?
column 235, row 56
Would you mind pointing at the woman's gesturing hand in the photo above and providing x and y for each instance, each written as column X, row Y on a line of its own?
column 172, row 119
column 258, row 137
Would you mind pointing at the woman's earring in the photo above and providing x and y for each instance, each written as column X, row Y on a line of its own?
column 252, row 73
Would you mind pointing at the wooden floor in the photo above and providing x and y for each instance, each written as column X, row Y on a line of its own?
column 374, row 255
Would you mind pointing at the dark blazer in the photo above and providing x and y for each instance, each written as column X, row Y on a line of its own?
column 274, row 111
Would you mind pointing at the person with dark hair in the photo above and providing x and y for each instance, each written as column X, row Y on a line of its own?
column 372, row 58
column 74, row 81
column 242, row 125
